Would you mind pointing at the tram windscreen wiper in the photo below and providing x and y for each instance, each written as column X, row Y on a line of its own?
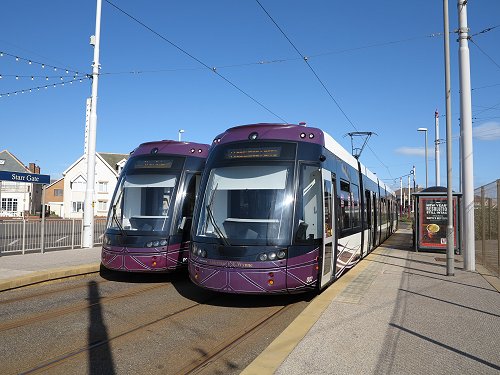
column 213, row 221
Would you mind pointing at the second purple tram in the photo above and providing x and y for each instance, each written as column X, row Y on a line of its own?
column 149, row 221
column 284, row 209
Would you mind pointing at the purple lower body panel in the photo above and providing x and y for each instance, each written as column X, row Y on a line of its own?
column 161, row 259
column 298, row 274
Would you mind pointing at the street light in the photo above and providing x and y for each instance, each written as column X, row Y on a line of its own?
column 180, row 134
column 426, row 174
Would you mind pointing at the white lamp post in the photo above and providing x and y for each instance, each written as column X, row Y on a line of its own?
column 426, row 173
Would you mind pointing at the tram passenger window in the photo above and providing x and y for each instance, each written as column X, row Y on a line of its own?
column 345, row 205
column 309, row 205
column 383, row 209
column 355, row 206
column 367, row 216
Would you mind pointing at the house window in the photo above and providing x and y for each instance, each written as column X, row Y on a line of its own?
column 9, row 204
column 102, row 187
column 77, row 206
column 102, row 205
column 58, row 192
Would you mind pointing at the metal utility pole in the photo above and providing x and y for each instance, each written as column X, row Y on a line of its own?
column 180, row 134
column 466, row 138
column 409, row 197
column 88, row 207
column 436, row 143
column 400, row 194
column 424, row 130
column 450, row 240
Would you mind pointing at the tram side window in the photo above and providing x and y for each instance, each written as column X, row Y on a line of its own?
column 345, row 205
column 309, row 211
column 383, row 208
column 367, row 215
column 355, row 219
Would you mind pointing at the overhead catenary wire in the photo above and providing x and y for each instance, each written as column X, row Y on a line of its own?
column 488, row 29
column 214, row 70
column 319, row 79
column 484, row 53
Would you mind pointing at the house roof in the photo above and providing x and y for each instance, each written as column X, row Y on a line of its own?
column 12, row 163
column 113, row 159
column 54, row 182
column 110, row 159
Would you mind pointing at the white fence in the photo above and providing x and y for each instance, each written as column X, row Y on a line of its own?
column 20, row 236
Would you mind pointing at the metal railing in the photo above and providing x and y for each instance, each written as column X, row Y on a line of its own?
column 20, row 236
column 487, row 226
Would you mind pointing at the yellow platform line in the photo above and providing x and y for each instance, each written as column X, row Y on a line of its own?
column 274, row 355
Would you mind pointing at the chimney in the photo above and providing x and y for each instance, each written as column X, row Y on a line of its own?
column 32, row 167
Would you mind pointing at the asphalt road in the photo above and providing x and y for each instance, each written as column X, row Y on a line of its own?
column 121, row 324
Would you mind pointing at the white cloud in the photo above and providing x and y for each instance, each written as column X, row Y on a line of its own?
column 412, row 151
column 489, row 131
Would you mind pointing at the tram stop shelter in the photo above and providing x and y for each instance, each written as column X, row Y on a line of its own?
column 431, row 219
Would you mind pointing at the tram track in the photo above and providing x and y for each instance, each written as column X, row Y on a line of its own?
column 52, row 292
column 84, row 305
column 200, row 364
column 59, row 360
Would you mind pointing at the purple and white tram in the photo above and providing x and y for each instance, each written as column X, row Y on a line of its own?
column 283, row 209
column 149, row 221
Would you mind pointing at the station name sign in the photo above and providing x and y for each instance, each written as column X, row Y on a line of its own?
column 31, row 178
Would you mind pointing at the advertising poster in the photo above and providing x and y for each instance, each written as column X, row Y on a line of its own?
column 433, row 222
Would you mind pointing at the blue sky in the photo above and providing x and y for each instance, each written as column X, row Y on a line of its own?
column 381, row 61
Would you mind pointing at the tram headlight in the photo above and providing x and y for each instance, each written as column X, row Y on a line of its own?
column 156, row 243
column 149, row 244
column 272, row 255
column 163, row 242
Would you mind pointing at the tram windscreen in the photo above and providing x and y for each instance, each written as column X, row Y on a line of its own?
column 249, row 204
column 142, row 202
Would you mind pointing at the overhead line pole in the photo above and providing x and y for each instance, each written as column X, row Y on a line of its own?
column 88, row 206
column 466, row 138
column 450, row 240
column 436, row 144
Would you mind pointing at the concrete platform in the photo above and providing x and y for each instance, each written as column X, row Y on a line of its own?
column 394, row 313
